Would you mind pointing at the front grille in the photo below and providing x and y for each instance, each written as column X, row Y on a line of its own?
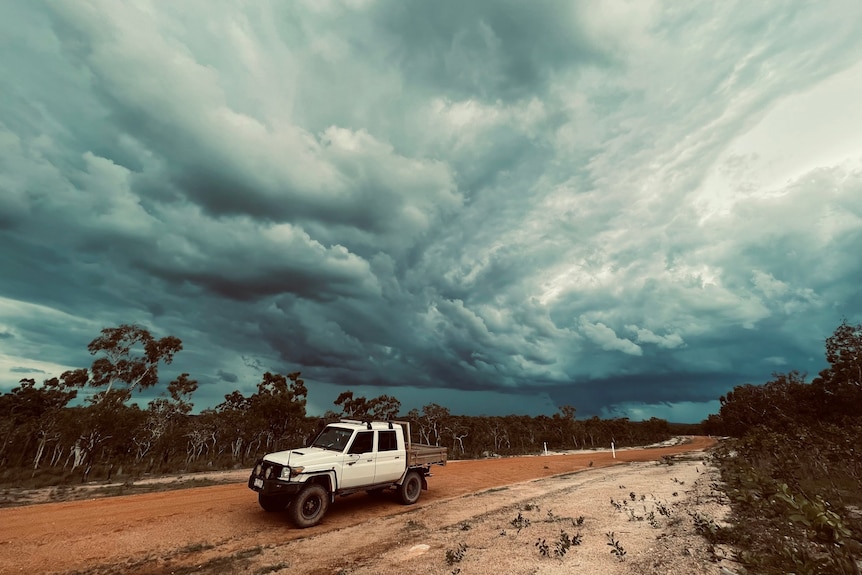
column 267, row 470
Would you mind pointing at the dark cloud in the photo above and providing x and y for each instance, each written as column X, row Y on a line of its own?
column 591, row 397
column 493, row 207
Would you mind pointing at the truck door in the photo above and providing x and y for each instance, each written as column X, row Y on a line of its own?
column 390, row 461
column 359, row 462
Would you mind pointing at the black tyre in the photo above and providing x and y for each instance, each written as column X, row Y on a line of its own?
column 272, row 503
column 309, row 507
column 410, row 490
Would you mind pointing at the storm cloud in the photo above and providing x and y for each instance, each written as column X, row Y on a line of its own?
column 501, row 207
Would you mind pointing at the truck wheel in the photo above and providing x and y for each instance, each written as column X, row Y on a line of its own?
column 410, row 490
column 272, row 503
column 309, row 507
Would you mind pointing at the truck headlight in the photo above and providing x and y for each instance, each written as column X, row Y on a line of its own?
column 288, row 472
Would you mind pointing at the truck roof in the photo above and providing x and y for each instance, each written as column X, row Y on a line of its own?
column 354, row 424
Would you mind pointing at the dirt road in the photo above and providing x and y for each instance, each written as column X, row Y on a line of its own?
column 180, row 528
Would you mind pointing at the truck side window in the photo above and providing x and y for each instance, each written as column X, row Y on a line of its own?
column 386, row 441
column 363, row 443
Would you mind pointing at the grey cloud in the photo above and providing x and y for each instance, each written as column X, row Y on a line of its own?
column 644, row 335
column 231, row 162
column 478, row 200
column 507, row 53
column 226, row 376
column 607, row 339
column 249, row 261
column 26, row 370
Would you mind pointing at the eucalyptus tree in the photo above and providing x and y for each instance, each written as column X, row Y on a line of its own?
column 128, row 359
column 351, row 406
column 233, row 426
column 166, row 420
column 840, row 385
column 458, row 428
column 278, row 406
column 777, row 404
column 32, row 415
column 271, row 418
column 205, row 439
column 787, row 402
column 564, row 421
column 383, row 407
column 434, row 419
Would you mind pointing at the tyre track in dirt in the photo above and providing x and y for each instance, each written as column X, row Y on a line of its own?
column 196, row 524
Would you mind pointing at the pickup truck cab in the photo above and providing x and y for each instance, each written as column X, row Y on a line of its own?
column 346, row 457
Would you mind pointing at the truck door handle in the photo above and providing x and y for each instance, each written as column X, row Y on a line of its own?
column 351, row 463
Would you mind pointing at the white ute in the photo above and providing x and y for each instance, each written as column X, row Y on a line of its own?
column 346, row 457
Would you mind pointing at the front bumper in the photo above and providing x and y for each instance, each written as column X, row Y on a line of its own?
column 265, row 480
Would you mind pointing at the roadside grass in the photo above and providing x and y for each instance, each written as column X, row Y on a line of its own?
column 16, row 497
column 17, row 477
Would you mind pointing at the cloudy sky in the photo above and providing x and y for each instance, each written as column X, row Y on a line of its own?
column 501, row 207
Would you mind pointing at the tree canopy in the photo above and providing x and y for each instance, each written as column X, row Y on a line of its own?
column 788, row 401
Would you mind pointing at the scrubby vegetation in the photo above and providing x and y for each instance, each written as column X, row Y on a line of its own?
column 793, row 468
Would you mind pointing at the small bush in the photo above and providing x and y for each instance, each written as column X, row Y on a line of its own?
column 520, row 522
column 456, row 555
column 616, row 548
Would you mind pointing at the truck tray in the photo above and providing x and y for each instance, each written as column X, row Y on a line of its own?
column 419, row 454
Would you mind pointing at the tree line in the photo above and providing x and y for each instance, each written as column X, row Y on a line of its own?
column 45, row 435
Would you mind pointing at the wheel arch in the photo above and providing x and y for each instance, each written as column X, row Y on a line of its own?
column 326, row 479
column 421, row 471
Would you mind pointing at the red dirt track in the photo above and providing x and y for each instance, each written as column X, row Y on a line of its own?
column 188, row 525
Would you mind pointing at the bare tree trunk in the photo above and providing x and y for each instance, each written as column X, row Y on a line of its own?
column 236, row 448
column 57, row 455
column 248, row 450
column 460, row 440
column 40, row 449
column 78, row 455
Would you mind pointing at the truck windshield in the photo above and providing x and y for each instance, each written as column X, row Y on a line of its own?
column 334, row 438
